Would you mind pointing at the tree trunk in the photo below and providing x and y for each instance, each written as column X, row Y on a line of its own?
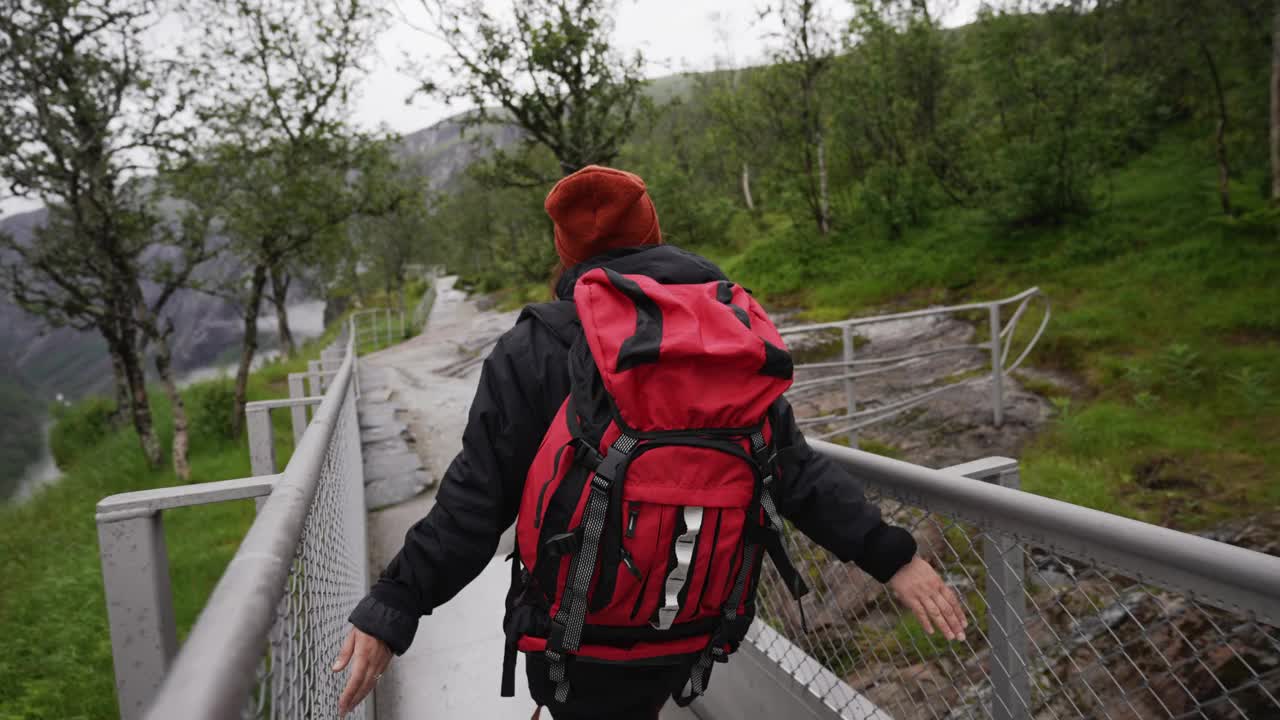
column 746, row 187
column 1275, row 103
column 250, row 317
column 139, row 403
column 164, row 367
column 1220, row 135
column 280, row 281
column 355, row 283
column 824, row 199
column 121, row 383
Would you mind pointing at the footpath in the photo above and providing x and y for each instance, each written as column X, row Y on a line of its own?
column 454, row 666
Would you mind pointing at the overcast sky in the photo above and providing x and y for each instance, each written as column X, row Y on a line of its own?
column 674, row 35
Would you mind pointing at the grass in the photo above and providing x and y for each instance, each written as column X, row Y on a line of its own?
column 1164, row 310
column 57, row 654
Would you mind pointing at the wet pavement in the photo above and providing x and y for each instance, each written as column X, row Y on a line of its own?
column 454, row 667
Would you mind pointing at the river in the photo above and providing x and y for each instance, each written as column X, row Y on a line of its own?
column 306, row 319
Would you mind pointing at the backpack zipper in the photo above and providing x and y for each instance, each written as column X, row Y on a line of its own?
column 632, row 516
column 630, row 563
column 635, row 609
column 555, row 469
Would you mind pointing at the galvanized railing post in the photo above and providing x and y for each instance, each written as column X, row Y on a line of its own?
column 316, row 377
column 135, row 582
column 850, row 400
column 298, row 413
column 997, row 367
column 1006, row 601
column 262, row 447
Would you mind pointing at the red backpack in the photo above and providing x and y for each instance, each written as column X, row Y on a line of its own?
column 645, row 512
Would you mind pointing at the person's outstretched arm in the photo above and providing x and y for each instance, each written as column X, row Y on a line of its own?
column 826, row 503
column 477, row 500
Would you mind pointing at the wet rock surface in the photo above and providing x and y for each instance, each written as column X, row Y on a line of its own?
column 1099, row 644
column 954, row 425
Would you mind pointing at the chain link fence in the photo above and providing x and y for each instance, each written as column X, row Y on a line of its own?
column 1052, row 634
column 264, row 643
column 327, row 579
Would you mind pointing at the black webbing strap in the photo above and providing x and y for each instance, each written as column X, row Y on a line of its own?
column 773, row 539
column 509, row 669
column 700, row 675
column 514, row 594
column 566, row 627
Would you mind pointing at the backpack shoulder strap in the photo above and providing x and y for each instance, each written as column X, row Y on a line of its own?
column 558, row 316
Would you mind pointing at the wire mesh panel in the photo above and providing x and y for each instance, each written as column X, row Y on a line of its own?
column 1066, row 639
column 327, row 579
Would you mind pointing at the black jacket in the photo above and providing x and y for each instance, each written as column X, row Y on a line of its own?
column 522, row 385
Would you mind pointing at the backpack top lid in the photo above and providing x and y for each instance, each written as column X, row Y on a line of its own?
column 682, row 357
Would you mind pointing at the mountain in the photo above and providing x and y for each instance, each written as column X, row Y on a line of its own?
column 43, row 362
column 442, row 152
column 75, row 363
column 39, row 362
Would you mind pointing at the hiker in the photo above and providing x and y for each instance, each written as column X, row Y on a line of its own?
column 644, row 406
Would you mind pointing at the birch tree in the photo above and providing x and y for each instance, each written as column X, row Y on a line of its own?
column 280, row 160
column 803, row 53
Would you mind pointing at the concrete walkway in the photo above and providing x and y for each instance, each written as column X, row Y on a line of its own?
column 454, row 667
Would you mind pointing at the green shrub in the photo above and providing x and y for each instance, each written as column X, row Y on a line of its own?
column 211, row 408
column 80, row 427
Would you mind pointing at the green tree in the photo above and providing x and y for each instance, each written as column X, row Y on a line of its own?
column 895, row 117
column 387, row 245
column 281, row 168
column 85, row 110
column 1050, row 113
column 551, row 70
column 794, row 88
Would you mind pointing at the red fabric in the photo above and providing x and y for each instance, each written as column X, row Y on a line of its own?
column 703, row 370
column 708, row 374
column 544, row 476
column 597, row 209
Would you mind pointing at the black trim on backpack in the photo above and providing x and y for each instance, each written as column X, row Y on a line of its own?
column 684, row 432
column 777, row 362
column 724, row 294
column 536, row 623
column 642, row 347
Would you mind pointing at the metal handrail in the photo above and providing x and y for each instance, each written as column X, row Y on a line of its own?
column 1226, row 576
column 1073, row 613
column 215, row 671
column 853, row 322
column 999, row 344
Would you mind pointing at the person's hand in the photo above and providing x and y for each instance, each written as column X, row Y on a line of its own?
column 918, row 586
column 369, row 658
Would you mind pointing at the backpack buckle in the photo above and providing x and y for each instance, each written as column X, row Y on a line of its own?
column 764, row 458
column 610, row 467
column 586, row 455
